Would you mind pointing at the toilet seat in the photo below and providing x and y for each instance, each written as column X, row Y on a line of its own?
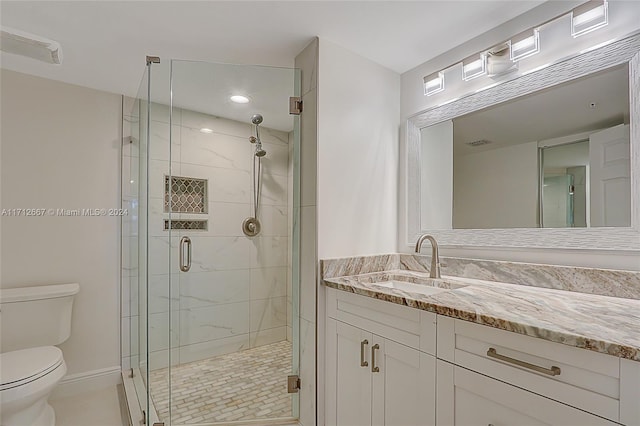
column 18, row 368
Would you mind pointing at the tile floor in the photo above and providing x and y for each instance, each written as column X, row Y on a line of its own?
column 246, row 385
column 98, row 408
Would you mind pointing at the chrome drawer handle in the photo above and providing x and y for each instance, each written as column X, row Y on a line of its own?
column 553, row 371
column 363, row 362
column 374, row 368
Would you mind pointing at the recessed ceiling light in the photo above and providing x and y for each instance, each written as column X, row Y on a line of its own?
column 239, row 99
column 205, row 130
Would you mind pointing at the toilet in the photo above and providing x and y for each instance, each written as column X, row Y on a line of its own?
column 32, row 321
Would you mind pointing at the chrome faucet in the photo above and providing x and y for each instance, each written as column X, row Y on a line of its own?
column 434, row 272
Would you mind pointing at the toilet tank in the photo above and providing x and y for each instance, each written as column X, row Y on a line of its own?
column 35, row 316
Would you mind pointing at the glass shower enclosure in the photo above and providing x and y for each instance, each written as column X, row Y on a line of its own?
column 210, row 246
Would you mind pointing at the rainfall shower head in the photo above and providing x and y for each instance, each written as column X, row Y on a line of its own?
column 256, row 119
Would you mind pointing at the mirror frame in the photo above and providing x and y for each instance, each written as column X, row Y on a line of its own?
column 606, row 238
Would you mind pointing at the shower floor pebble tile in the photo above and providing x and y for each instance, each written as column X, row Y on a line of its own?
column 244, row 385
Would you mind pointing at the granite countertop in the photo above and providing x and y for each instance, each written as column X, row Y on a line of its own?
column 609, row 325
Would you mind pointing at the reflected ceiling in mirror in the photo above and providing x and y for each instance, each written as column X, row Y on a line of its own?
column 499, row 174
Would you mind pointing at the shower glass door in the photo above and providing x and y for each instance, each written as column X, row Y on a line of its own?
column 222, row 278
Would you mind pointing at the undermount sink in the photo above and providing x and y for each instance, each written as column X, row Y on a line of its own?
column 410, row 283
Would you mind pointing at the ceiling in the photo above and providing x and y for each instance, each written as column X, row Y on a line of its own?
column 558, row 111
column 207, row 87
column 105, row 42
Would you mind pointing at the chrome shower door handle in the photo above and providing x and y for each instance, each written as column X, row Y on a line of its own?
column 185, row 242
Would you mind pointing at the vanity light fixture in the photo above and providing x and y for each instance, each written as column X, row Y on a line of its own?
column 589, row 17
column 434, row 83
column 499, row 61
column 525, row 44
column 474, row 66
column 503, row 58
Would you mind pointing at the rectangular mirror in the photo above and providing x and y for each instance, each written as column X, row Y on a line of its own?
column 555, row 158
column 545, row 159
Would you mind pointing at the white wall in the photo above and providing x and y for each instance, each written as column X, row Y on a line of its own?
column 555, row 42
column 563, row 156
column 358, row 117
column 496, row 188
column 357, row 164
column 307, row 62
column 437, row 181
column 60, row 149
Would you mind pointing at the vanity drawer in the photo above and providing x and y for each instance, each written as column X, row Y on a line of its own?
column 466, row 398
column 409, row 326
column 577, row 377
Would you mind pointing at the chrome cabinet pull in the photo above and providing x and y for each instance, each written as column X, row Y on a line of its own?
column 363, row 362
column 374, row 368
column 185, row 242
column 553, row 371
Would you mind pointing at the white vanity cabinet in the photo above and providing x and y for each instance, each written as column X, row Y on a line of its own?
column 371, row 378
column 507, row 378
column 389, row 364
column 467, row 398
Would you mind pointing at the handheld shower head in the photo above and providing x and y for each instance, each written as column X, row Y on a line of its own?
column 256, row 119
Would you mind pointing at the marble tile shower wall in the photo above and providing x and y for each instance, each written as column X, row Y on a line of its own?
column 235, row 295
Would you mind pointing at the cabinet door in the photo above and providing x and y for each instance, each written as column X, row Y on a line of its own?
column 471, row 399
column 403, row 385
column 348, row 382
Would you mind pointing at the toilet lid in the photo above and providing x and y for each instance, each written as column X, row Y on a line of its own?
column 24, row 366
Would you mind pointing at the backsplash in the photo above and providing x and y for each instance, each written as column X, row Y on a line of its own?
column 604, row 282
column 359, row 265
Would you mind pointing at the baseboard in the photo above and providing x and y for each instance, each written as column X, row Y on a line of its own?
column 76, row 384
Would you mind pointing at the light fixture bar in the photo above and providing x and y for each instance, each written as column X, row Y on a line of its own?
column 589, row 17
column 504, row 57
column 525, row 44
column 474, row 66
column 434, row 83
